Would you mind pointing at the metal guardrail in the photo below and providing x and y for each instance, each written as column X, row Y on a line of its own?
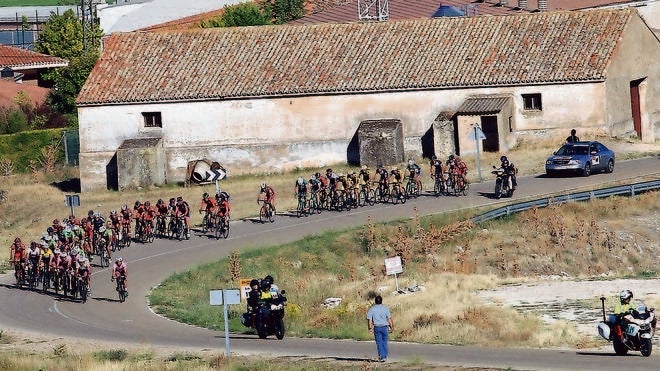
column 630, row 190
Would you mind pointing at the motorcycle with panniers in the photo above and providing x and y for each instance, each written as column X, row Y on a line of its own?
column 268, row 318
column 636, row 336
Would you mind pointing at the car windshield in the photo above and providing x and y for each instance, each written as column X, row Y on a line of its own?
column 572, row 150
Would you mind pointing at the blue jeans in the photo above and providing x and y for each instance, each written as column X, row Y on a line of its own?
column 381, row 336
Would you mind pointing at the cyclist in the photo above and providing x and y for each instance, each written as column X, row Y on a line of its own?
column 414, row 172
column 300, row 188
column 341, row 185
column 457, row 167
column 365, row 177
column 120, row 269
column 383, row 182
column 437, row 168
column 148, row 215
column 115, row 220
column 18, row 256
column 269, row 195
column 107, row 235
column 126, row 216
column 162, row 210
column 84, row 271
column 210, row 206
column 223, row 206
column 183, row 210
column 352, row 185
column 138, row 209
column 331, row 176
column 34, row 257
column 396, row 178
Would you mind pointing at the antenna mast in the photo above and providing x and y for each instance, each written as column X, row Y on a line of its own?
column 373, row 10
column 89, row 20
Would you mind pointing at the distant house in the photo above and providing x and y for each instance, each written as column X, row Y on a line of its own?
column 278, row 97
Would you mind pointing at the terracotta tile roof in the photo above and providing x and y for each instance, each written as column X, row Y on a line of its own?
column 483, row 104
column 9, row 89
column 355, row 57
column 17, row 59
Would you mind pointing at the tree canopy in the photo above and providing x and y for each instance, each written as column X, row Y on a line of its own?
column 244, row 14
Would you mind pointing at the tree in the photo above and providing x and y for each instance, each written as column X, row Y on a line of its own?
column 283, row 11
column 62, row 36
column 244, row 14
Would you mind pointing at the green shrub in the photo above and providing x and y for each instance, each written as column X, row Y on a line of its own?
column 114, row 355
column 22, row 147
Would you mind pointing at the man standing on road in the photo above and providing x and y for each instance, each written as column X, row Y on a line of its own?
column 572, row 138
column 379, row 322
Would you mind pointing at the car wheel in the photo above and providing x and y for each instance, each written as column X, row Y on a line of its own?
column 610, row 166
column 587, row 169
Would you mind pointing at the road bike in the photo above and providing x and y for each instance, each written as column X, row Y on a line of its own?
column 439, row 185
column 161, row 226
column 82, row 289
column 125, row 237
column 412, row 188
column 398, row 193
column 147, row 232
column 221, row 227
column 314, row 203
column 302, row 209
column 180, row 228
column 458, row 185
column 32, row 274
column 383, row 193
column 367, row 196
column 121, row 288
column 266, row 212
column 102, row 252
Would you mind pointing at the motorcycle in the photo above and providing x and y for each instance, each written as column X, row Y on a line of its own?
column 637, row 336
column 503, row 183
column 268, row 319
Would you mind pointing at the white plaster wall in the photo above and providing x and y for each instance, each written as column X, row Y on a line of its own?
column 280, row 133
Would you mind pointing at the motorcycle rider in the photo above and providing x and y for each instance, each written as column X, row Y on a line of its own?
column 253, row 301
column 511, row 170
column 623, row 311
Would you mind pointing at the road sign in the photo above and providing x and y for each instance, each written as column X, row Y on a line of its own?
column 393, row 265
column 476, row 133
column 72, row 200
column 225, row 297
column 215, row 174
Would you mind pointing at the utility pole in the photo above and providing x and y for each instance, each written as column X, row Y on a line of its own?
column 89, row 20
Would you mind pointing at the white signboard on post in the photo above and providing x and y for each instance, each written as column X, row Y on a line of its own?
column 225, row 297
column 393, row 265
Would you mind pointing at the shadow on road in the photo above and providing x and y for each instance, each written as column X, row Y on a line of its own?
column 599, row 354
column 106, row 299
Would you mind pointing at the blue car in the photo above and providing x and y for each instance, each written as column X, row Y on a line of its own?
column 582, row 158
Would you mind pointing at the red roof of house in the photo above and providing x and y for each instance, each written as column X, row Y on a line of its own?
column 9, row 89
column 18, row 59
column 340, row 58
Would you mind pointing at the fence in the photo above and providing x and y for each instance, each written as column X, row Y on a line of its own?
column 630, row 190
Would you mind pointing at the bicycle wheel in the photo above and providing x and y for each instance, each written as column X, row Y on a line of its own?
column 179, row 230
column 225, row 230
column 395, row 195
column 466, row 186
column 217, row 228
column 404, row 196
column 271, row 214
column 105, row 259
column 263, row 214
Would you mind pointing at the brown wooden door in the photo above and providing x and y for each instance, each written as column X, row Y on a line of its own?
column 489, row 127
column 634, row 105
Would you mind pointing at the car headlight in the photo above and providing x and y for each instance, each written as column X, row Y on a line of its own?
column 575, row 162
column 548, row 162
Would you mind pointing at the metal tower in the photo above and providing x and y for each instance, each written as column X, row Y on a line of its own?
column 89, row 19
column 373, row 10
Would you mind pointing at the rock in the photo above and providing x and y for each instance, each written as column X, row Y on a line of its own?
column 331, row 303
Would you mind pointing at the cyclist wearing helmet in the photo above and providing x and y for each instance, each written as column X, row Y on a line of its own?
column 383, row 179
column 223, row 206
column 437, row 169
column 126, row 219
column 209, row 206
column 149, row 214
column 364, row 177
column 267, row 194
column 457, row 167
column 138, row 210
column 84, row 271
column 18, row 256
column 510, row 169
column 183, row 210
column 414, row 172
column 120, row 269
column 300, row 188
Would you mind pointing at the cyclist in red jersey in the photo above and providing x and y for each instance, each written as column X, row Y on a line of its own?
column 126, row 215
column 268, row 193
column 120, row 269
column 223, row 206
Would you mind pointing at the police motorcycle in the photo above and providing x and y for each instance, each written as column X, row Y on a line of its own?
column 636, row 336
column 269, row 316
column 503, row 183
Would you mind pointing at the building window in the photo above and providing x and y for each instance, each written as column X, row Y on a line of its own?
column 152, row 120
column 532, row 102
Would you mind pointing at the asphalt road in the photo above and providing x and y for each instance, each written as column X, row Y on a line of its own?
column 104, row 318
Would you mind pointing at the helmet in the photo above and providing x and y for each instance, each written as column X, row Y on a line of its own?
column 98, row 214
column 102, row 229
column 160, row 201
column 263, row 185
column 434, row 157
column 119, row 259
column 113, row 212
column 49, row 230
column 625, row 296
column 179, row 199
column 90, row 213
column 451, row 157
column 411, row 162
column 300, row 180
column 329, row 170
column 254, row 282
column 317, row 175
column 364, row 167
column 56, row 221
column 137, row 204
column 47, row 238
column 205, row 195
column 124, row 207
column 265, row 284
column 504, row 159
column 172, row 200
column 147, row 203
column 56, row 251
column 269, row 278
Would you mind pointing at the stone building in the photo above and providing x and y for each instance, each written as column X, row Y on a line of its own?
column 276, row 97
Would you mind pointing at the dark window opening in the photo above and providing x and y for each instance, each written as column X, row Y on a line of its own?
column 152, row 120
column 532, row 102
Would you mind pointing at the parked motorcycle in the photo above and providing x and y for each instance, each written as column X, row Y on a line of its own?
column 637, row 336
column 269, row 318
column 503, row 183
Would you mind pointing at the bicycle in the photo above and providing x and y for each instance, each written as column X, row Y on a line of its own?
column 221, row 227
column 412, row 188
column 383, row 193
column 147, row 235
column 32, row 273
column 314, row 203
column 161, row 226
column 208, row 222
column 125, row 237
column 266, row 212
column 366, row 196
column 336, row 200
column 459, row 186
column 439, row 185
column 398, row 193
column 181, row 230
column 19, row 273
column 83, row 289
column 121, row 288
column 103, row 253
column 46, row 278
column 302, row 210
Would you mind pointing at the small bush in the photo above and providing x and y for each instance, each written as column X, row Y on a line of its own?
column 114, row 355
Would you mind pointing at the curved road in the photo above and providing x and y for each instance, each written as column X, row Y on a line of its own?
column 103, row 318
